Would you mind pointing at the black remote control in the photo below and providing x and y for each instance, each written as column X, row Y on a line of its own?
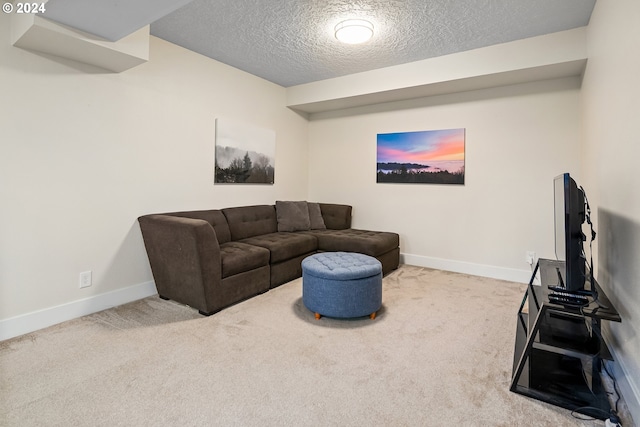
column 565, row 298
column 578, row 292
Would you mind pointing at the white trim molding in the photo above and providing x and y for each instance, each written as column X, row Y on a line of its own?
column 40, row 319
column 502, row 273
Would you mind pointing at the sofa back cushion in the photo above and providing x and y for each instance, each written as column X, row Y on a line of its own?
column 292, row 216
column 316, row 222
column 250, row 221
column 214, row 217
column 336, row 217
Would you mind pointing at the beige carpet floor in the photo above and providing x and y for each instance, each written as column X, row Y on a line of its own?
column 439, row 353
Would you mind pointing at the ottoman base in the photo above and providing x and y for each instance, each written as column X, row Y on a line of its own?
column 371, row 316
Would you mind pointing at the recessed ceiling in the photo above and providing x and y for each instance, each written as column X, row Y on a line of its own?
column 291, row 42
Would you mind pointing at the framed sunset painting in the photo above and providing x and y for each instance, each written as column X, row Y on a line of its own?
column 425, row 157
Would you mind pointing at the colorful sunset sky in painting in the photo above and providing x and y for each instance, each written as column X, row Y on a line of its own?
column 421, row 147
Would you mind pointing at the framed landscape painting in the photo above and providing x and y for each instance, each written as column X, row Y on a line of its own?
column 425, row 157
column 244, row 154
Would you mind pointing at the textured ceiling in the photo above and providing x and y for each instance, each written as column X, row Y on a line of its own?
column 291, row 42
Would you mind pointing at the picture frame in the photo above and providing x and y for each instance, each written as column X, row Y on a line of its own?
column 423, row 157
column 244, row 153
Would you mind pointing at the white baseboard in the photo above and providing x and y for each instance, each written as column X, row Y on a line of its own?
column 502, row 273
column 40, row 319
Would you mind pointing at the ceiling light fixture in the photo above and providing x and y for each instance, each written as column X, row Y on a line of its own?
column 354, row 31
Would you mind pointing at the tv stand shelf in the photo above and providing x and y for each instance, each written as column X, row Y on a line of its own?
column 559, row 349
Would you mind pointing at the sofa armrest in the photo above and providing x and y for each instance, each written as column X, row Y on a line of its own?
column 184, row 255
column 335, row 216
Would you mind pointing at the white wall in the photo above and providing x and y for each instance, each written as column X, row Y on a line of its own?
column 611, row 103
column 517, row 139
column 84, row 152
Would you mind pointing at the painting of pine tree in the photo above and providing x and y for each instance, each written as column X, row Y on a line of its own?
column 244, row 153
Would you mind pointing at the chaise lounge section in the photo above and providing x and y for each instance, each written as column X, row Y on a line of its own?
column 212, row 259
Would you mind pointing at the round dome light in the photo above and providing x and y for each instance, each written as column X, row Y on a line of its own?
column 354, row 31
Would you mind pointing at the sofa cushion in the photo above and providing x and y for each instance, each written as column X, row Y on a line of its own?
column 285, row 245
column 315, row 217
column 292, row 216
column 336, row 217
column 249, row 221
column 366, row 242
column 213, row 217
column 240, row 257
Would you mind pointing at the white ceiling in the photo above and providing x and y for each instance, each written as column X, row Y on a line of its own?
column 291, row 42
column 110, row 19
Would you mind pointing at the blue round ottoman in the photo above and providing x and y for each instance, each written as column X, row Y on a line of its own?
column 342, row 284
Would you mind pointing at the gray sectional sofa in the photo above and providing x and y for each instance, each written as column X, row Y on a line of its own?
column 211, row 259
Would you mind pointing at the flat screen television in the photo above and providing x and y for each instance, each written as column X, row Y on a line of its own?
column 569, row 211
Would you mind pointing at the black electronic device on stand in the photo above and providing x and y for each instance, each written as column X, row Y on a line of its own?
column 559, row 348
column 569, row 215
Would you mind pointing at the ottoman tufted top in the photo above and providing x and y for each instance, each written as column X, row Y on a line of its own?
column 341, row 265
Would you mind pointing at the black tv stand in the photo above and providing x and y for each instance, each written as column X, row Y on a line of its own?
column 559, row 349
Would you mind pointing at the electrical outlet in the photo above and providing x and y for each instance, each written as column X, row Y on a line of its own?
column 85, row 279
column 530, row 257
